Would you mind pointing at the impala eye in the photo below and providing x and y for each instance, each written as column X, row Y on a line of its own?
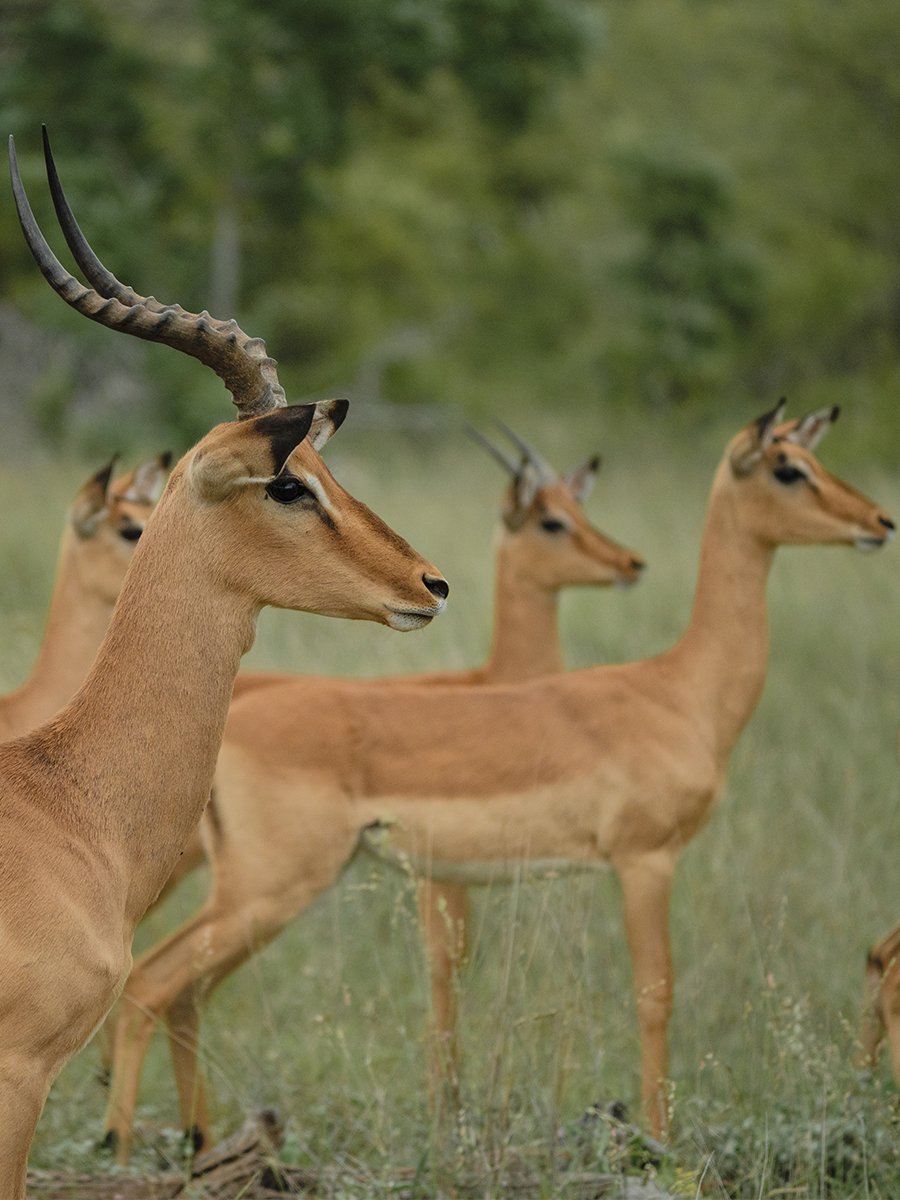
column 789, row 474
column 130, row 533
column 286, row 489
column 552, row 525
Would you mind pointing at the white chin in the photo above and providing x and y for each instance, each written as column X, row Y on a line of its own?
column 406, row 621
column 867, row 545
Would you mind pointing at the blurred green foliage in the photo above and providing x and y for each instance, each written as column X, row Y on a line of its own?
column 489, row 204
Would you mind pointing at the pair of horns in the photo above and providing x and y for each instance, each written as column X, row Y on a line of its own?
column 529, row 455
column 240, row 361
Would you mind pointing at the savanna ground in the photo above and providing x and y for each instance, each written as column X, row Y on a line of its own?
column 775, row 904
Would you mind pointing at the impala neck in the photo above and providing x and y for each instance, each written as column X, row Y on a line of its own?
column 722, row 655
column 76, row 622
column 146, row 726
column 526, row 624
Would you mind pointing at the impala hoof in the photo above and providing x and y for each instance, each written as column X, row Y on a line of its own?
column 109, row 1143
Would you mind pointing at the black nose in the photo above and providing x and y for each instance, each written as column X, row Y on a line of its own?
column 637, row 564
column 887, row 522
column 437, row 586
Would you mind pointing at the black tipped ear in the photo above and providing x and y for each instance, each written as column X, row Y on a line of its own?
column 810, row 430
column 285, row 428
column 329, row 417
column 148, row 481
column 103, row 476
column 580, row 480
column 90, row 505
column 755, row 439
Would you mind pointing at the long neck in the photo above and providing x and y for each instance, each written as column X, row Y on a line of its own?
column 526, row 624
column 140, row 739
column 76, row 623
column 721, row 658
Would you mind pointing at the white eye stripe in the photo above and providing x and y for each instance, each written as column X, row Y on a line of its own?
column 308, row 481
column 319, row 492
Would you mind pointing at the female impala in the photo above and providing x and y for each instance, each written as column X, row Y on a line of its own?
column 616, row 765
column 96, row 804
column 545, row 544
column 881, row 1010
column 105, row 522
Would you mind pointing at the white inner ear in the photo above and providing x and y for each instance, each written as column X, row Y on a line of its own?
column 322, row 426
column 811, row 429
column 526, row 486
column 580, row 481
column 148, row 484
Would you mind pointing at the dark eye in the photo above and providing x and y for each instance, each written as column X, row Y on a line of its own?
column 551, row 525
column 286, row 489
column 788, row 474
column 130, row 533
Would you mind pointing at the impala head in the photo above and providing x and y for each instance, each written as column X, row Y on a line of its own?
column 545, row 532
column 107, row 517
column 296, row 538
column 787, row 495
column 260, row 500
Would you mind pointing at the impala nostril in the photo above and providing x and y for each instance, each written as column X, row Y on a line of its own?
column 887, row 522
column 638, row 564
column 437, row 586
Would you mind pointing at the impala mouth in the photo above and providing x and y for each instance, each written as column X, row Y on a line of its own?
column 635, row 574
column 868, row 543
column 407, row 619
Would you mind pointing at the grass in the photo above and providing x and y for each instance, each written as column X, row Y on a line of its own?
column 775, row 904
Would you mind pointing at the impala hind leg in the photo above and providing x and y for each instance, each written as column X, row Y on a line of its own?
column 444, row 911
column 646, row 890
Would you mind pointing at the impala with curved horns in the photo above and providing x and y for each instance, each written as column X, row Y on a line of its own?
column 609, row 766
column 96, row 804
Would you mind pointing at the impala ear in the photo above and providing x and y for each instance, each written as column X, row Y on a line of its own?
column 148, row 480
column 327, row 420
column 216, row 470
column 520, row 496
column 753, row 441
column 285, row 428
column 91, row 505
column 809, row 430
column 580, row 480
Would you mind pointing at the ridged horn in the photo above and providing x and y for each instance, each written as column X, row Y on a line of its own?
column 240, row 361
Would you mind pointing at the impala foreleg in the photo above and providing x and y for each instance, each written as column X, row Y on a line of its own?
column 646, row 889
column 444, row 911
column 171, row 983
column 23, row 1090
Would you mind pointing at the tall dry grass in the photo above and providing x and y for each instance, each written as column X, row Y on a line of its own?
column 775, row 901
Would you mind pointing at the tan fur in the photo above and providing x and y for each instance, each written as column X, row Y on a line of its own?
column 881, row 1007
column 532, row 566
column 96, row 805
column 617, row 765
column 93, row 558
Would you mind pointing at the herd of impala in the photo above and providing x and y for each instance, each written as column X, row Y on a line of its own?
column 135, row 750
